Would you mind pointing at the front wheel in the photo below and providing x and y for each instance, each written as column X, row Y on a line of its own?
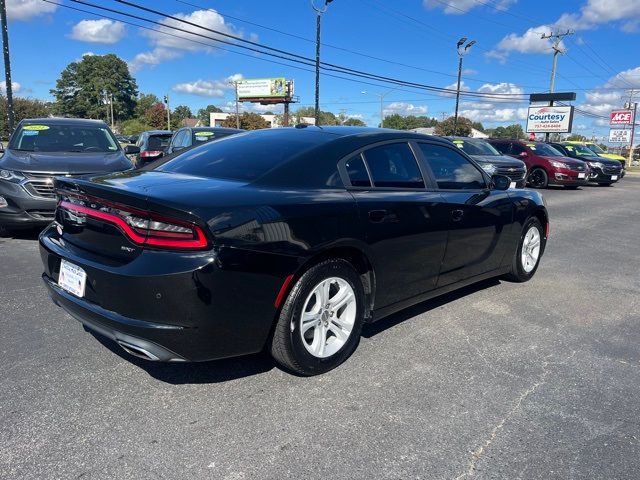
column 530, row 248
column 538, row 178
column 320, row 322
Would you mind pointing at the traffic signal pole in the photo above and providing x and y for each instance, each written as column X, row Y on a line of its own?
column 7, row 65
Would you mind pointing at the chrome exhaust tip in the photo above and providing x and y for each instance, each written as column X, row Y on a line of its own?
column 137, row 351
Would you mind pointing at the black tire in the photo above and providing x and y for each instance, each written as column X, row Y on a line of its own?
column 538, row 178
column 518, row 273
column 287, row 345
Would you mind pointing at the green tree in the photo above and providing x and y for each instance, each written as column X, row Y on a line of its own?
column 409, row 122
column 144, row 103
column 577, row 138
column 80, row 91
column 22, row 108
column 446, row 127
column 156, row 116
column 134, row 126
column 326, row 118
column 181, row 112
column 478, row 126
column 248, row 121
column 354, row 122
column 511, row 131
column 203, row 113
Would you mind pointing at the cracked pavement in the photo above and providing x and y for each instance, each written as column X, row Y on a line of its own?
column 498, row 381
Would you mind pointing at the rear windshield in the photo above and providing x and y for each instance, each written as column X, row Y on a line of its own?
column 242, row 157
column 159, row 142
column 63, row 138
column 475, row 147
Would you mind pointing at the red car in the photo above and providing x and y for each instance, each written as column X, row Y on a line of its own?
column 545, row 165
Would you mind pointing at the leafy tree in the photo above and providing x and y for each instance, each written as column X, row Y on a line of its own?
column 577, row 138
column 134, row 126
column 248, row 121
column 22, row 108
column 145, row 102
column 401, row 122
column 181, row 112
column 446, row 127
column 156, row 116
column 203, row 113
column 80, row 90
column 478, row 126
column 354, row 122
column 326, row 118
column 511, row 131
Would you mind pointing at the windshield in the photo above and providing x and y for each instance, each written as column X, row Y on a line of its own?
column 580, row 150
column 595, row 148
column 544, row 150
column 476, row 147
column 63, row 138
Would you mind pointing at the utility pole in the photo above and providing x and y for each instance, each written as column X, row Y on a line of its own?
column 319, row 11
column 557, row 39
column 7, row 65
column 105, row 101
column 166, row 101
column 381, row 97
column 443, row 115
column 113, row 122
column 632, row 106
column 235, row 83
column 461, row 53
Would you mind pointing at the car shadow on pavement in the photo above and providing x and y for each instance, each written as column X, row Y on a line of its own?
column 215, row 371
column 26, row 234
column 371, row 329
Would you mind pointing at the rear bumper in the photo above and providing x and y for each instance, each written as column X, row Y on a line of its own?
column 23, row 210
column 177, row 306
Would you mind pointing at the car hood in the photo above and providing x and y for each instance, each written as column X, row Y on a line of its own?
column 502, row 160
column 64, row 162
column 612, row 156
column 605, row 161
column 567, row 160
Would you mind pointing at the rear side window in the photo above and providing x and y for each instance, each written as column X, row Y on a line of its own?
column 502, row 147
column 451, row 170
column 358, row 175
column 393, row 165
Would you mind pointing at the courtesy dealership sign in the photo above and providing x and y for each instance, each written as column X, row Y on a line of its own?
column 549, row 119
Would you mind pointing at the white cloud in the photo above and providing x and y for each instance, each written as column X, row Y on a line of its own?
column 404, row 108
column 529, row 42
column 152, row 58
column 627, row 79
column 459, row 7
column 170, row 46
column 15, row 87
column 499, row 115
column 503, row 88
column 28, row 9
column 103, row 31
column 598, row 12
column 469, row 71
column 207, row 88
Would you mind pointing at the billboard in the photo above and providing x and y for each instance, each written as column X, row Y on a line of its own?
column 262, row 88
column 621, row 117
column 617, row 135
column 549, row 119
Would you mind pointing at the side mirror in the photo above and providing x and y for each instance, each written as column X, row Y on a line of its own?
column 500, row 182
column 131, row 150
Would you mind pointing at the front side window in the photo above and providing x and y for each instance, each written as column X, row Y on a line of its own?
column 393, row 165
column 451, row 170
column 63, row 138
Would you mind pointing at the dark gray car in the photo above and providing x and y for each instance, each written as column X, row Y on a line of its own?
column 491, row 160
column 41, row 149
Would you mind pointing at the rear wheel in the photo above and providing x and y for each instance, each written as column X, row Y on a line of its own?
column 538, row 178
column 530, row 248
column 320, row 322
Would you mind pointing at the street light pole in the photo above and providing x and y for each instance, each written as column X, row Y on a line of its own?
column 381, row 97
column 7, row 65
column 319, row 11
column 461, row 53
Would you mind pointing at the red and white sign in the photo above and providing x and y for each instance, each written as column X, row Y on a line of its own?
column 621, row 117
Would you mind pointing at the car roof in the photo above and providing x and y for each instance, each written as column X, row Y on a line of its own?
column 466, row 139
column 158, row 132
column 216, row 129
column 64, row 121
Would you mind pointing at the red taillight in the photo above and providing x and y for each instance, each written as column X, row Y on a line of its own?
column 151, row 153
column 145, row 229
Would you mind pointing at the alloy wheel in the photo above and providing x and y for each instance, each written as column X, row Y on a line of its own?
column 530, row 249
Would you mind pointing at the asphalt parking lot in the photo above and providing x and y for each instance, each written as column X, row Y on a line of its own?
column 500, row 380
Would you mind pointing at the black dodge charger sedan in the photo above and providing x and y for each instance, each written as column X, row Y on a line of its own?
column 39, row 150
column 288, row 239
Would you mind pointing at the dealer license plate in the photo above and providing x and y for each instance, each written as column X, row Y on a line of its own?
column 72, row 278
column 581, row 175
column 614, row 177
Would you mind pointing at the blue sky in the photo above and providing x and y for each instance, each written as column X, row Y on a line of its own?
column 600, row 63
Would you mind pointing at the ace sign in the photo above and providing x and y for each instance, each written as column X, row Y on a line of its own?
column 621, row 117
